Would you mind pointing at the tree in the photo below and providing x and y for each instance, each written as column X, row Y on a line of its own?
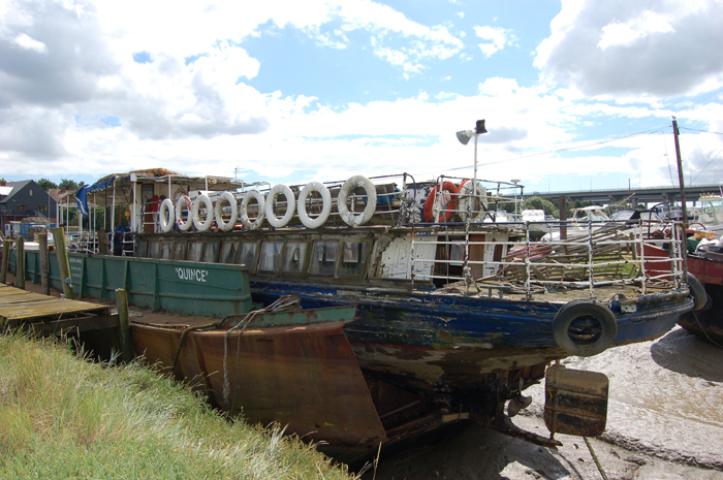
column 3, row 182
column 67, row 184
column 539, row 203
column 46, row 184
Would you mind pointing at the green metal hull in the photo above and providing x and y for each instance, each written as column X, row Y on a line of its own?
column 189, row 288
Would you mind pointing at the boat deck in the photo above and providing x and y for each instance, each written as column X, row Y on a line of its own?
column 551, row 295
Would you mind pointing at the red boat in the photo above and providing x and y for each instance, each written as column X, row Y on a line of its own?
column 707, row 320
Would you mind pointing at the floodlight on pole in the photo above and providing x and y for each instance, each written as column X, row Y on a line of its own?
column 464, row 136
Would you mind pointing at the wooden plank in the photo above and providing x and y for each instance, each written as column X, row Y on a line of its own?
column 79, row 324
column 20, row 298
column 26, row 312
column 17, row 304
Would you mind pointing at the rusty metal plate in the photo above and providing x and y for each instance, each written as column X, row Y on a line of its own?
column 576, row 401
column 305, row 377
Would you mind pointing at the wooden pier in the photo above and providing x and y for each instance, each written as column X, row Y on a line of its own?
column 46, row 315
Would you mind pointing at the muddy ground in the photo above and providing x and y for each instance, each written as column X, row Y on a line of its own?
column 665, row 421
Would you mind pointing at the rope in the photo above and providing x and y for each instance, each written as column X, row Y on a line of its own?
column 595, row 459
column 281, row 304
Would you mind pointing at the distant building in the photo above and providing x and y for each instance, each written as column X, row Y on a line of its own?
column 23, row 199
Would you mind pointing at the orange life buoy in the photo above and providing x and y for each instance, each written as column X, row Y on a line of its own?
column 448, row 212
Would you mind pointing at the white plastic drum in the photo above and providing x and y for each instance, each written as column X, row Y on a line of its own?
column 308, row 189
column 468, row 203
column 166, row 215
column 202, row 224
column 351, row 218
column 226, row 225
column 274, row 221
column 244, row 211
column 184, row 224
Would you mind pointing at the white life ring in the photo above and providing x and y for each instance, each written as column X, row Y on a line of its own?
column 184, row 201
column 202, row 224
column 356, row 219
column 467, row 200
column 166, row 215
column 244, row 211
column 274, row 221
column 325, row 205
column 227, row 197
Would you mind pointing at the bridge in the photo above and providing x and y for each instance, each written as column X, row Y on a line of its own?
column 641, row 195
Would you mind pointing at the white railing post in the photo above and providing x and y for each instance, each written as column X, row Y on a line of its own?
column 642, row 258
column 590, row 257
column 528, row 272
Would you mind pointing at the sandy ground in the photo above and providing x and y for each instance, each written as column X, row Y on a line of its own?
column 665, row 421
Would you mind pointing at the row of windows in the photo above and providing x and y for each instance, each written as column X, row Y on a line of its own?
column 328, row 258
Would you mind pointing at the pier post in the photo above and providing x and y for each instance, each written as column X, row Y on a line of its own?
column 7, row 243
column 121, row 298
column 20, row 263
column 61, row 253
column 43, row 262
column 102, row 242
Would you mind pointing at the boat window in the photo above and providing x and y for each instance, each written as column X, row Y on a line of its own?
column 354, row 258
column 195, row 251
column 295, row 256
column 142, row 245
column 228, row 251
column 179, row 249
column 210, row 253
column 247, row 256
column 270, row 255
column 323, row 257
column 155, row 249
column 165, row 249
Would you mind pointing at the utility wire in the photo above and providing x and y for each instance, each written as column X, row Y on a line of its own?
column 699, row 130
column 567, row 148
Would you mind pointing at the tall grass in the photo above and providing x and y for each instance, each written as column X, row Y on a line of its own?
column 64, row 417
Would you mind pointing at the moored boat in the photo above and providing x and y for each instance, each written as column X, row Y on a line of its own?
column 457, row 314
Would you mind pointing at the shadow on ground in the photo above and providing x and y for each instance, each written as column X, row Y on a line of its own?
column 468, row 451
column 683, row 352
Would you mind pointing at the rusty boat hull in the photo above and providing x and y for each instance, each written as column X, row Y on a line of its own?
column 304, row 377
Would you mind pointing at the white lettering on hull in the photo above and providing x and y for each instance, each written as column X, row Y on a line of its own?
column 192, row 274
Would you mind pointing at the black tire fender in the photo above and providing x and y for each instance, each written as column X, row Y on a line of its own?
column 697, row 291
column 576, row 309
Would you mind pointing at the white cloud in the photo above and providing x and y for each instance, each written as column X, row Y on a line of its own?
column 495, row 39
column 633, row 48
column 624, row 34
column 29, row 43
column 192, row 108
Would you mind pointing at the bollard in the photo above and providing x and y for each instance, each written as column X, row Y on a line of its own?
column 20, row 263
column 121, row 298
column 61, row 253
column 43, row 262
column 7, row 243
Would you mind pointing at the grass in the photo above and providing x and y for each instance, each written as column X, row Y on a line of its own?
column 64, row 417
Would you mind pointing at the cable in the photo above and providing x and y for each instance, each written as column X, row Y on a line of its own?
column 699, row 130
column 568, row 148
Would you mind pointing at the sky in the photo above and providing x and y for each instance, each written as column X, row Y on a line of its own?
column 576, row 95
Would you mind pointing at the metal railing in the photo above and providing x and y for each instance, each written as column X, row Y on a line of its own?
column 600, row 254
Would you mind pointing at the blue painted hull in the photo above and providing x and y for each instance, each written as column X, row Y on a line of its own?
column 429, row 338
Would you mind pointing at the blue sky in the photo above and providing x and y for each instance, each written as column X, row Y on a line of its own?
column 576, row 94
